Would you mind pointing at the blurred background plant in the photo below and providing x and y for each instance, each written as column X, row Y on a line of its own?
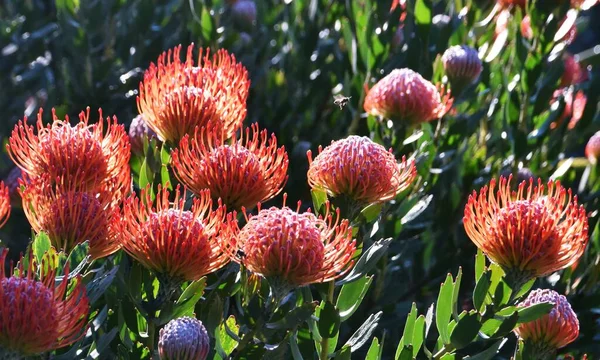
column 530, row 113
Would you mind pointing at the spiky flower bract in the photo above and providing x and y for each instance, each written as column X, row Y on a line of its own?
column 176, row 95
column 359, row 169
column 178, row 244
column 38, row 316
column 531, row 232
column 405, row 96
column 241, row 173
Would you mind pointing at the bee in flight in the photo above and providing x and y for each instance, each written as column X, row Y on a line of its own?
column 341, row 100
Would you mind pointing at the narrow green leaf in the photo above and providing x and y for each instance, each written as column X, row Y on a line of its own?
column 371, row 212
column 479, row 264
column 455, row 292
column 294, row 318
column 345, row 354
column 489, row 353
column 225, row 343
column 525, row 288
column 367, row 261
column 351, row 295
column 418, row 335
column 329, row 320
column 534, row 312
column 145, row 172
column 319, row 198
column 422, row 12
column 466, row 330
column 374, row 352
column 188, row 299
column 444, row 309
column 409, row 327
column 481, row 290
column 406, row 353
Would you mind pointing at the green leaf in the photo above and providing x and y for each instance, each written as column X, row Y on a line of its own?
column 367, row 261
column 479, row 264
column 418, row 335
column 295, row 317
column 409, row 329
column 364, row 332
column 41, row 244
column 422, row 13
column 345, row 354
column 319, row 198
column 188, row 299
column 481, row 290
column 455, row 292
column 374, row 352
column 525, row 289
column 534, row 312
column 145, row 175
column 224, row 342
column 329, row 320
column 465, row 330
column 507, row 325
column 351, row 295
column 207, row 24
column 444, row 309
column 371, row 212
column 406, row 353
column 100, row 284
column 489, row 353
column 103, row 341
column 165, row 178
column 296, row 354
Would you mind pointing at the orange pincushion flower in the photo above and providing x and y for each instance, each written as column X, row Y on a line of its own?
column 177, row 96
column 554, row 330
column 88, row 157
column 38, row 316
column 4, row 203
column 291, row 248
column 405, row 95
column 179, row 244
column 70, row 216
column 251, row 169
column 531, row 232
column 360, row 169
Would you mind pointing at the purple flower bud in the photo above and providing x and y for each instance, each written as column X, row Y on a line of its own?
column 184, row 338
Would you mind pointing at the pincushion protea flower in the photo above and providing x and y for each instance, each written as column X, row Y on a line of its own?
column 138, row 130
column 405, row 95
column 292, row 249
column 462, row 65
column 4, row 203
column 359, row 169
column 574, row 73
column 177, row 244
column 552, row 331
column 89, row 157
column 512, row 3
column 531, row 232
column 182, row 339
column 575, row 102
column 70, row 217
column 592, row 148
column 249, row 170
column 37, row 316
column 177, row 96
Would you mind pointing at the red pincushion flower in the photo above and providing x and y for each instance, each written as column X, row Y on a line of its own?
column 88, row 157
column 552, row 331
column 405, row 95
column 531, row 232
column 360, row 169
column 574, row 73
column 4, row 203
column 462, row 64
column 179, row 244
column 574, row 107
column 592, row 148
column 177, row 96
column 37, row 316
column 251, row 169
column 70, row 216
column 293, row 249
column 512, row 3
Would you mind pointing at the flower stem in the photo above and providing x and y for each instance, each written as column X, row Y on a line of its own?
column 324, row 340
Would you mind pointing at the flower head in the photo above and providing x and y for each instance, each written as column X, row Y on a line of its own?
column 70, row 216
column 138, row 130
column 184, row 338
column 575, row 102
column 244, row 13
column 179, row 244
column 405, row 95
column 249, row 170
column 512, row 3
column 4, row 203
column 530, row 232
column 293, row 248
column 574, row 73
column 360, row 169
column 462, row 64
column 38, row 316
column 552, row 331
column 88, row 157
column 177, row 96
column 592, row 148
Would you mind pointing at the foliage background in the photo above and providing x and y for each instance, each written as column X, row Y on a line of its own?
column 70, row 54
